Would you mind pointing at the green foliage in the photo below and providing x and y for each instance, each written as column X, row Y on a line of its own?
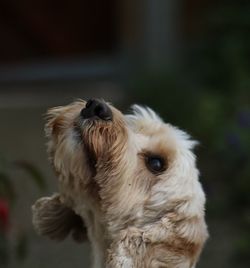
column 4, row 250
column 33, row 173
column 6, row 187
column 8, row 198
column 22, row 247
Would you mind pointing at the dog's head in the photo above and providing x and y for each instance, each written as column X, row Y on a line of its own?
column 87, row 141
column 130, row 168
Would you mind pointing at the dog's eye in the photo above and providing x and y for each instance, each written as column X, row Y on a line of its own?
column 155, row 164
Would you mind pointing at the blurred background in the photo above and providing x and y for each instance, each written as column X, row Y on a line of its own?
column 187, row 59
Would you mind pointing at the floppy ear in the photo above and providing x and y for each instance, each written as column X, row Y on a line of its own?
column 53, row 219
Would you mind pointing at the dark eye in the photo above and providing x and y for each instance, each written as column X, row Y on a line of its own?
column 155, row 164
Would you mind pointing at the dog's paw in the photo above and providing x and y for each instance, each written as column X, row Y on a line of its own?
column 53, row 219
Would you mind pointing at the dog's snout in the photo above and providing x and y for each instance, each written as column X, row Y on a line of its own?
column 98, row 109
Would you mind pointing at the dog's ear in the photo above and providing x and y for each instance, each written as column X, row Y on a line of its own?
column 53, row 219
column 54, row 120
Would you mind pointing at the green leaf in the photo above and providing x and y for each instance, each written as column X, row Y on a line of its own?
column 6, row 187
column 34, row 173
column 22, row 247
column 4, row 251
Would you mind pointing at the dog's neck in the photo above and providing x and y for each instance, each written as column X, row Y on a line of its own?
column 106, row 245
column 97, row 237
column 103, row 244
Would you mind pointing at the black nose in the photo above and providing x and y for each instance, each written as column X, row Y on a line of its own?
column 96, row 108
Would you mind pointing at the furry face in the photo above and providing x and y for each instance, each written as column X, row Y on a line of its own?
column 133, row 182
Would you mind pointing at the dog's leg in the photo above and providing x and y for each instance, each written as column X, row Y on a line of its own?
column 53, row 219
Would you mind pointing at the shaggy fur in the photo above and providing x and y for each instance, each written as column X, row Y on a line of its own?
column 134, row 218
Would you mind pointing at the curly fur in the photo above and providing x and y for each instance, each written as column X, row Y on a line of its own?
column 133, row 217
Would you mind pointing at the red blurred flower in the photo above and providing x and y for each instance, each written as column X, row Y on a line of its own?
column 4, row 214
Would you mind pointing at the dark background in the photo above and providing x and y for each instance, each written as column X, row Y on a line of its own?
column 187, row 59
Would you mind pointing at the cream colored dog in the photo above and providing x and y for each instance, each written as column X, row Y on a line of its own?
column 127, row 182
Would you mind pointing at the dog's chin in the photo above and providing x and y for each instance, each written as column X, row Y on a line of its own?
column 89, row 154
column 91, row 159
column 84, row 129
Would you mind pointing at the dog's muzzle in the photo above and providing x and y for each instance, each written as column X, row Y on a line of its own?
column 96, row 109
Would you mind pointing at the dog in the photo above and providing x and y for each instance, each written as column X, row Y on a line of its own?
column 127, row 183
